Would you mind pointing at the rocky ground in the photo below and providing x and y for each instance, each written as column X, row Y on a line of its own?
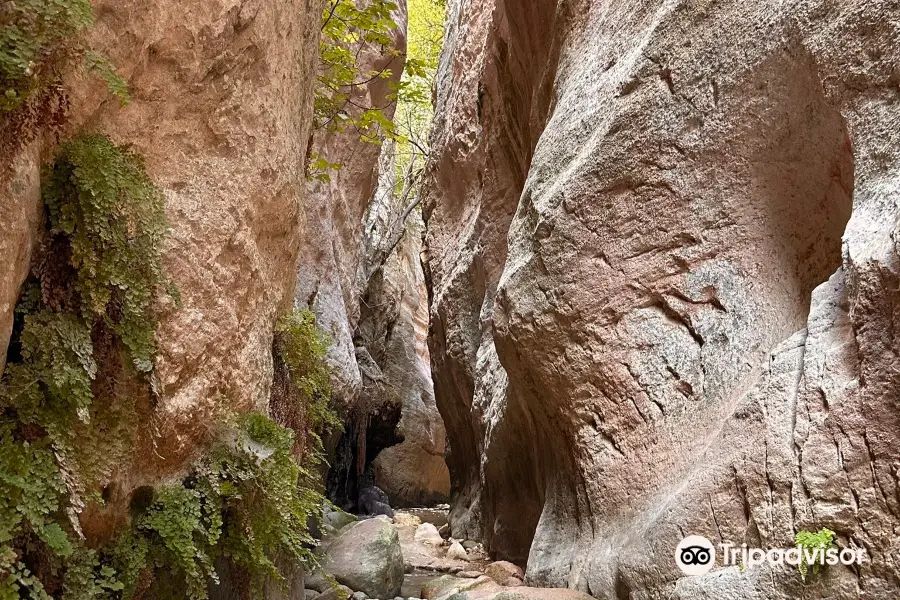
column 409, row 557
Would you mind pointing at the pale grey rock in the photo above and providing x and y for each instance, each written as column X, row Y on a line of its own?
column 395, row 327
column 366, row 557
column 428, row 534
column 457, row 552
column 336, row 592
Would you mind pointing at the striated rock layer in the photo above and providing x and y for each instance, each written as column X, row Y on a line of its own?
column 664, row 281
column 394, row 329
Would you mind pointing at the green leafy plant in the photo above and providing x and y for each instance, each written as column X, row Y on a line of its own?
column 413, row 118
column 84, row 326
column 247, row 500
column 98, row 196
column 808, row 542
column 35, row 34
column 302, row 390
column 39, row 39
column 349, row 30
column 101, row 66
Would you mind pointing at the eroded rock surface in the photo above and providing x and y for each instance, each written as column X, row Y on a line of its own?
column 221, row 111
column 646, row 322
column 394, row 329
column 375, row 309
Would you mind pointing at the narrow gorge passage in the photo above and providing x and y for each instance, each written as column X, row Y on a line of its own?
column 449, row 299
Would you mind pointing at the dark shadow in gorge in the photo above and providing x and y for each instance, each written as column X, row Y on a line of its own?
column 365, row 435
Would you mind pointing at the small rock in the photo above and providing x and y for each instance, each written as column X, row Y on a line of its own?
column 502, row 571
column 336, row 519
column 428, row 534
column 399, row 598
column 359, row 596
column 404, row 519
column 309, row 594
column 454, row 570
column 469, row 574
column 373, row 501
column 469, row 544
column 338, row 592
column 514, row 582
column 444, row 531
column 447, row 585
column 457, row 552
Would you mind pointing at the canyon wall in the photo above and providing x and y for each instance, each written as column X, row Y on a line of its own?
column 394, row 330
column 221, row 111
column 370, row 299
column 664, row 279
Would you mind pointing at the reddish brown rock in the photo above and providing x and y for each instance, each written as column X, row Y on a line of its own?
column 505, row 573
column 221, row 111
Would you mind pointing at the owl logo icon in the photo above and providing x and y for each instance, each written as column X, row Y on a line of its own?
column 695, row 555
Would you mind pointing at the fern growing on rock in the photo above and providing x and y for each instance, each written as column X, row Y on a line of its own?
column 813, row 543
column 39, row 41
column 302, row 387
column 84, row 328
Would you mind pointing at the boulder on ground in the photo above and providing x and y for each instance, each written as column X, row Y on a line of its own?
column 315, row 580
column 447, row 585
column 359, row 596
column 469, row 574
column 373, row 501
column 428, row 534
column 457, row 552
column 502, row 571
column 366, row 557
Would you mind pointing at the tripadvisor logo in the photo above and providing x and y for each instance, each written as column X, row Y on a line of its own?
column 696, row 555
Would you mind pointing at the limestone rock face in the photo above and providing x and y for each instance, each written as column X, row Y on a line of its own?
column 331, row 270
column 376, row 314
column 664, row 280
column 20, row 222
column 413, row 472
column 221, row 111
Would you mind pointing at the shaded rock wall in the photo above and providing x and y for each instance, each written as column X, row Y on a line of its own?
column 332, row 267
column 331, row 271
column 394, row 330
column 376, row 314
column 670, row 334
column 493, row 96
column 222, row 105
